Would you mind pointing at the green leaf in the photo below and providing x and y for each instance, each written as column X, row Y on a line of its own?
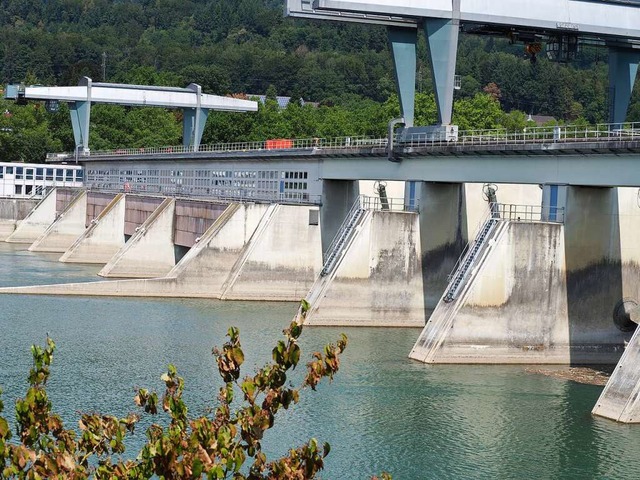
column 237, row 355
column 197, row 468
column 326, row 449
column 294, row 355
column 304, row 305
column 4, row 428
column 249, row 387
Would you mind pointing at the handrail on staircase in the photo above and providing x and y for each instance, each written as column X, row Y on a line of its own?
column 357, row 204
column 485, row 218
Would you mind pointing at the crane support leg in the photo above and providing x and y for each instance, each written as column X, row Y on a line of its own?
column 80, row 115
column 403, row 50
column 623, row 67
column 442, row 38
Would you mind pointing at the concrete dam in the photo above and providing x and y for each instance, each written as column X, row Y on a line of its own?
column 492, row 274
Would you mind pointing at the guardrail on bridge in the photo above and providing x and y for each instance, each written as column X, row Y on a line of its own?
column 606, row 132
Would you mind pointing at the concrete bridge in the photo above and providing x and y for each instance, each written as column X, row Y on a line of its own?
column 504, row 248
column 539, row 266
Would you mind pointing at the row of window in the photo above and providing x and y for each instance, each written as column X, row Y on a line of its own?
column 295, row 185
column 203, row 178
column 269, row 174
column 177, row 188
column 294, row 175
column 57, row 174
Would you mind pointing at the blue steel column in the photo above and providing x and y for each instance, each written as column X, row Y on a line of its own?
column 194, row 120
column 623, row 67
column 188, row 126
column 201, row 122
column 403, row 51
column 193, row 127
column 80, row 115
column 442, row 38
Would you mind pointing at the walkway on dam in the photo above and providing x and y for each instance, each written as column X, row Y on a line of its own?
column 601, row 155
column 566, row 138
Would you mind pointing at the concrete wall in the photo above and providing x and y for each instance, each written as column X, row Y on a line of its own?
column 138, row 209
column 205, row 268
column 149, row 252
column 202, row 272
column 379, row 280
column 66, row 229
column 526, row 305
column 629, row 224
column 36, row 222
column 16, row 208
column 619, row 400
column 515, row 308
column 252, row 252
column 103, row 238
column 596, row 269
column 12, row 210
column 337, row 199
column 282, row 259
column 96, row 203
column 443, row 222
column 193, row 219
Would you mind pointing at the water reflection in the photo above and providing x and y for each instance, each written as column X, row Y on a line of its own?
column 382, row 412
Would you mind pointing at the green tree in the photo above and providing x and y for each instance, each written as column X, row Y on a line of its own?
column 24, row 133
column 481, row 112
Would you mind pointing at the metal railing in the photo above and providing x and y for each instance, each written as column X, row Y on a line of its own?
column 292, row 198
column 387, row 204
column 605, row 132
column 476, row 233
column 361, row 203
column 339, row 143
column 511, row 212
column 527, row 213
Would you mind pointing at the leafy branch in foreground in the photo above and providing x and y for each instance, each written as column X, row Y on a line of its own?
column 224, row 444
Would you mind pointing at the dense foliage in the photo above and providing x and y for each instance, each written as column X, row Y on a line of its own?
column 247, row 46
column 224, row 444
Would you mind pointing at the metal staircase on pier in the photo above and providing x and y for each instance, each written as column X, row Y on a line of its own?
column 468, row 258
column 342, row 238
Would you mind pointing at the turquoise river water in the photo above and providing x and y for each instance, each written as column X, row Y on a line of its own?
column 383, row 412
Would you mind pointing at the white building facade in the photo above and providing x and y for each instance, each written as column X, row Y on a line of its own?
column 32, row 180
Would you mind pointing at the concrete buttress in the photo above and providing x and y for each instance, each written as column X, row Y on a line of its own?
column 38, row 220
column 12, row 212
column 66, row 229
column 281, row 260
column 149, row 252
column 620, row 399
column 545, row 292
column 103, row 238
column 378, row 280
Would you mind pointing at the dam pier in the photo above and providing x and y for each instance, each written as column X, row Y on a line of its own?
column 519, row 270
column 503, row 247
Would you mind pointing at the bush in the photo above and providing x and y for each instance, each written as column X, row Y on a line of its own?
column 224, row 444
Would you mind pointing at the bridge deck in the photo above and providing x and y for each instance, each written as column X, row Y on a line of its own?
column 599, row 156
